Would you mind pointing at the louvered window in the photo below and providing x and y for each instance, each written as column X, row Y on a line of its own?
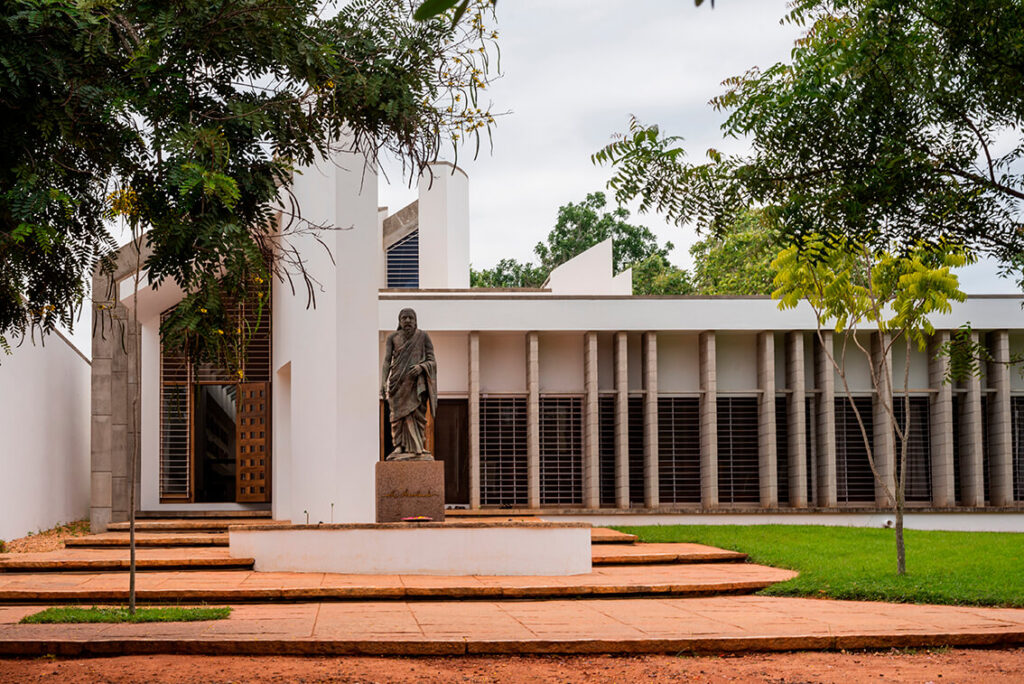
column 986, row 476
column 782, row 448
column 737, row 450
column 811, row 431
column 561, row 450
column 636, row 450
column 679, row 449
column 606, row 448
column 957, row 486
column 918, row 486
column 1017, row 423
column 403, row 262
column 503, row 472
column 854, row 480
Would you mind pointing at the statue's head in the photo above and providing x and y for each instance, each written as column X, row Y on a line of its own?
column 407, row 321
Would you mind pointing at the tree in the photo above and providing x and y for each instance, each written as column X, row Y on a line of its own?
column 656, row 276
column 894, row 121
column 578, row 227
column 738, row 259
column 188, row 120
column 894, row 298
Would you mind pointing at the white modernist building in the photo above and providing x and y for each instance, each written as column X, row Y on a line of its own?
column 576, row 399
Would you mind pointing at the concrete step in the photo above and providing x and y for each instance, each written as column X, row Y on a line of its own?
column 264, row 513
column 652, row 554
column 604, row 535
column 147, row 539
column 192, row 524
column 240, row 586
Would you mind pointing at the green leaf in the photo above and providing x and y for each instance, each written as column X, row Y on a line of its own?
column 432, row 8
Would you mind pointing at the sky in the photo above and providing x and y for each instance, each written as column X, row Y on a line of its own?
column 572, row 72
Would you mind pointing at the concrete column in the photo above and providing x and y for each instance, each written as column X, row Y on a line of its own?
column 708, row 421
column 533, row 420
column 940, row 420
column 474, row 419
column 972, row 479
column 1000, row 438
column 884, row 447
column 621, row 420
column 767, row 458
column 650, row 381
column 796, row 421
column 591, row 462
column 825, row 416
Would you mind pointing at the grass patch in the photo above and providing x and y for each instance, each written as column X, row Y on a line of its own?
column 77, row 614
column 952, row 568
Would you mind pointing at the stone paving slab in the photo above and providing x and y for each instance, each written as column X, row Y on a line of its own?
column 652, row 625
column 245, row 586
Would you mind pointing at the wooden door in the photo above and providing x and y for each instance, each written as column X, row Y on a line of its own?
column 253, row 442
column 451, row 441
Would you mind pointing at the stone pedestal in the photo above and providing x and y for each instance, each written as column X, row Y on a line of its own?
column 410, row 488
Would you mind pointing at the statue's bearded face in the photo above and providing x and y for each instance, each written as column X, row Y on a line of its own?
column 407, row 321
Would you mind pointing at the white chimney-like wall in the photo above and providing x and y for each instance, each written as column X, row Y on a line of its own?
column 444, row 227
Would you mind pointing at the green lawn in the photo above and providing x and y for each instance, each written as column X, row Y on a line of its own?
column 77, row 614
column 970, row 568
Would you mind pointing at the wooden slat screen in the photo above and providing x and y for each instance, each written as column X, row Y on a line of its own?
column 854, row 481
column 738, row 450
column 606, row 448
column 503, row 471
column 782, row 448
column 986, row 476
column 561, row 450
column 679, row 449
column 957, row 486
column 253, row 443
column 918, row 487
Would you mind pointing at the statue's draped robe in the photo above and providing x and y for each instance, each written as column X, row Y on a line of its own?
column 409, row 395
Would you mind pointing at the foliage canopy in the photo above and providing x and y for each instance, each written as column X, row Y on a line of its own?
column 186, row 120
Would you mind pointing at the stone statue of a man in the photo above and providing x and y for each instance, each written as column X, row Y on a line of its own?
column 409, row 381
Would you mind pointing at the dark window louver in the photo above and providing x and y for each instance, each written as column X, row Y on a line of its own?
column 854, row 481
column 606, row 448
column 737, row 450
column 986, row 476
column 811, row 432
column 561, row 451
column 403, row 262
column 678, row 450
column 1017, row 424
column 636, row 450
column 503, row 471
column 918, row 486
column 782, row 448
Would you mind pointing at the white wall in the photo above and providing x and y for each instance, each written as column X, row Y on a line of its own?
column 452, row 353
column 44, row 437
column 590, row 273
column 635, row 357
column 918, row 367
column 503, row 362
column 605, row 361
column 736, row 362
column 856, row 363
column 561, row 362
column 1016, row 377
column 678, row 363
column 444, row 227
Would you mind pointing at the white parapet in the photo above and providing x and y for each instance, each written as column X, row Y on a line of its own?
column 456, row 548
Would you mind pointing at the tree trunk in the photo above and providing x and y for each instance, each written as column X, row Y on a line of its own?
column 901, row 551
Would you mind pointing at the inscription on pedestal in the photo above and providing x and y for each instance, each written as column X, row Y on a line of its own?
column 406, row 489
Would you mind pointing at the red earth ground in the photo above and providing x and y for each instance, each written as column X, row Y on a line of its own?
column 938, row 666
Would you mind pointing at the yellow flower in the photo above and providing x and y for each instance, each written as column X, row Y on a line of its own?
column 202, row 310
column 219, row 331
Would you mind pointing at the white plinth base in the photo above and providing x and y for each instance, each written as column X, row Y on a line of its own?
column 460, row 548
